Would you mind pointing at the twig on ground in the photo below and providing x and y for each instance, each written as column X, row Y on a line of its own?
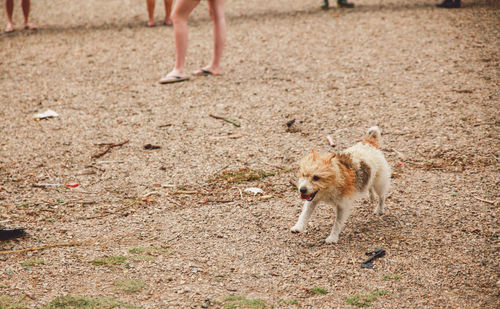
column 97, row 168
column 151, row 193
column 232, row 136
column 69, row 244
column 234, row 122
column 396, row 133
column 110, row 146
column 485, row 201
column 487, row 123
column 273, row 165
column 109, row 161
column 9, row 165
column 167, row 186
column 185, row 192
column 173, row 201
column 463, row 90
column 400, row 155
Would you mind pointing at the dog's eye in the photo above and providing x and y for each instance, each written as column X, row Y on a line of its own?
column 315, row 178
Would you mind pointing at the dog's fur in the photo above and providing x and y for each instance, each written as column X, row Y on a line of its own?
column 341, row 178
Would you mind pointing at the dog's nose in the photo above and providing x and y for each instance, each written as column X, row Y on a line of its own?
column 303, row 190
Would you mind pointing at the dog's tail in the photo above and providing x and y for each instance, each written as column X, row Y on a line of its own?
column 373, row 137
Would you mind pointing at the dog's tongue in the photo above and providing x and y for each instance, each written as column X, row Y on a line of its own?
column 305, row 196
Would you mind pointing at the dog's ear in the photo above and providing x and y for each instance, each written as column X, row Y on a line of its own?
column 330, row 157
column 314, row 154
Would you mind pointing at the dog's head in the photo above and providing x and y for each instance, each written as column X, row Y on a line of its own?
column 316, row 174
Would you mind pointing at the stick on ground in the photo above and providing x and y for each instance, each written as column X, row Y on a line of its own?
column 110, row 146
column 234, row 122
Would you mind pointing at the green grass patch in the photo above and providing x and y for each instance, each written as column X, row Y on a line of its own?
column 70, row 302
column 12, row 302
column 365, row 300
column 29, row 263
column 393, row 277
column 220, row 279
column 142, row 257
column 109, row 260
column 317, row 290
column 233, row 302
column 147, row 250
column 129, row 285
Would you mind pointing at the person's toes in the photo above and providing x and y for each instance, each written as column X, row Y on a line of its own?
column 150, row 24
column 9, row 28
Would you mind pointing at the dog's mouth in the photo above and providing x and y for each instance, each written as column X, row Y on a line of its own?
column 308, row 197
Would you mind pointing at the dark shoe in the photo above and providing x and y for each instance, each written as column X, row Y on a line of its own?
column 344, row 4
column 324, row 6
column 449, row 4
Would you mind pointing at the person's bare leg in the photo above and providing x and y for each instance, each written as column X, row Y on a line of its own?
column 25, row 4
column 168, row 12
column 182, row 10
column 9, row 9
column 150, row 4
column 216, row 8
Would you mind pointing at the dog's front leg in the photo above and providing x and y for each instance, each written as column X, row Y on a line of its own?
column 304, row 217
column 343, row 212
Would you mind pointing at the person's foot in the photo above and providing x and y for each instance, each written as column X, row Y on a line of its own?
column 345, row 4
column 206, row 71
column 168, row 22
column 325, row 5
column 150, row 24
column 30, row 27
column 170, row 79
column 173, row 77
column 449, row 4
column 9, row 28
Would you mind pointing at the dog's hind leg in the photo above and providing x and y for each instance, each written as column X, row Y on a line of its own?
column 381, row 186
column 304, row 217
column 343, row 212
column 372, row 195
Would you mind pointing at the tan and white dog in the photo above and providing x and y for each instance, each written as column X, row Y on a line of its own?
column 341, row 178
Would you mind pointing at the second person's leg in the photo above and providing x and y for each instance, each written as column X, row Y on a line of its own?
column 216, row 9
column 25, row 4
column 168, row 12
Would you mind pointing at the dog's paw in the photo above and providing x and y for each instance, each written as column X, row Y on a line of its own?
column 378, row 211
column 331, row 240
column 297, row 229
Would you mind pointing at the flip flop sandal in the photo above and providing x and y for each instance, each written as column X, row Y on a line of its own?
column 203, row 72
column 167, row 24
column 172, row 79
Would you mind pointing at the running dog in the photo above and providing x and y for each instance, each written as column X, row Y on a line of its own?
column 341, row 178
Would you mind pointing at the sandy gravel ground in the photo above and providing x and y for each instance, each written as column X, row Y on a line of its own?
column 171, row 227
